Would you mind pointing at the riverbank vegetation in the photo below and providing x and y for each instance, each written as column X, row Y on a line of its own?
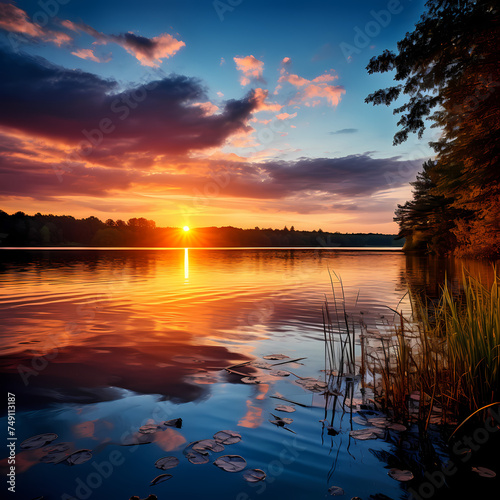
column 438, row 365
column 21, row 230
column 449, row 71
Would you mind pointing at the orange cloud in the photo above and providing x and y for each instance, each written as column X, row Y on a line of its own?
column 148, row 51
column 207, row 107
column 15, row 20
column 88, row 54
column 310, row 90
column 285, row 116
column 251, row 68
column 162, row 47
column 260, row 96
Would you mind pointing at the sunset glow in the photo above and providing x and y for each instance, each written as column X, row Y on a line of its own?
column 186, row 228
column 153, row 116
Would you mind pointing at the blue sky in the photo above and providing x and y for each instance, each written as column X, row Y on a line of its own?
column 295, row 155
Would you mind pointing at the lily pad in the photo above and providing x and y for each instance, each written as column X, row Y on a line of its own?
column 397, row 427
column 336, row 491
column 250, row 380
column 484, row 472
column 208, row 444
column 280, row 373
column 79, row 457
column 35, row 442
column 57, row 448
column 160, row 479
column 286, row 420
column 360, row 421
column 227, row 437
column 231, row 463
column 262, row 365
column 175, row 422
column 254, row 475
column 363, row 434
column 148, row 429
column 285, row 408
column 167, row 463
column 197, row 457
column 276, row 356
column 312, row 384
column 401, row 475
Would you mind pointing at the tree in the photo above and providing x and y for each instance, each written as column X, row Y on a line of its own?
column 451, row 75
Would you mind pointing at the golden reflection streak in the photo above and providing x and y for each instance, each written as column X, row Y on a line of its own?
column 186, row 264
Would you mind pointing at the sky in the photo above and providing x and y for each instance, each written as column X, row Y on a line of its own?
column 204, row 113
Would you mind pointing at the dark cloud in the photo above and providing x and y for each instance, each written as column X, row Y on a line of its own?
column 73, row 106
column 345, row 131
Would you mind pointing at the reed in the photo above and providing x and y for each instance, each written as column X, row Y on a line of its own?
column 447, row 356
column 438, row 365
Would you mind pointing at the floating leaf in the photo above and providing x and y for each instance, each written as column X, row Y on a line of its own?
column 231, row 463
column 484, row 472
column 175, row 422
column 382, row 423
column 36, row 442
column 286, row 420
column 167, row 463
column 401, row 475
column 197, row 457
column 227, row 437
column 208, row 444
column 397, row 427
column 262, row 365
column 275, row 356
column 254, row 475
column 336, row 491
column 160, row 479
column 79, row 457
column 148, row 429
column 57, row 448
column 312, row 384
column 250, row 380
column 363, row 434
column 360, row 421
column 285, row 408
column 280, row 373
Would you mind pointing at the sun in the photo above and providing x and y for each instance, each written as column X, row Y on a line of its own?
column 186, row 228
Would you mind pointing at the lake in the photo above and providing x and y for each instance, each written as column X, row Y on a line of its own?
column 97, row 343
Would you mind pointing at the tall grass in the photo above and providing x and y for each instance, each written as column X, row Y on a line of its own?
column 438, row 365
column 447, row 357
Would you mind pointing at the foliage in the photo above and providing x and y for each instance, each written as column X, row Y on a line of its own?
column 20, row 229
column 449, row 70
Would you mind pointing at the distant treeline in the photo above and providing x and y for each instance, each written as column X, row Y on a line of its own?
column 21, row 230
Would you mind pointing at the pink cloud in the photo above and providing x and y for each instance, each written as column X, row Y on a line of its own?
column 162, row 47
column 251, row 68
column 285, row 116
column 310, row 90
column 260, row 96
column 15, row 20
column 88, row 54
column 148, row 51
column 207, row 107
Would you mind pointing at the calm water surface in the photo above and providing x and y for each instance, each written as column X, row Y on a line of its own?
column 96, row 343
